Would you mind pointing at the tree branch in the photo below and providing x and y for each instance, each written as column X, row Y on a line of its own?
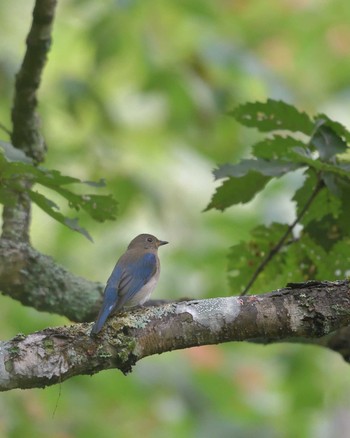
column 37, row 280
column 25, row 120
column 26, row 126
column 308, row 313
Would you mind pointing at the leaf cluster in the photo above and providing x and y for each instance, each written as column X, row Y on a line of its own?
column 19, row 175
column 317, row 147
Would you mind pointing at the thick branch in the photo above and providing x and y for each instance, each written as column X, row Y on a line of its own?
column 36, row 280
column 308, row 313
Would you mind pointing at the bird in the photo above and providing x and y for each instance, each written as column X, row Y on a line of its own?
column 133, row 278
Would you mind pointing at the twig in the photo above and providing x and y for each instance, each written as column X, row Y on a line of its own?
column 3, row 127
column 282, row 240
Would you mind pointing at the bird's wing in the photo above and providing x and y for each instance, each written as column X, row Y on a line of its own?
column 110, row 299
column 135, row 275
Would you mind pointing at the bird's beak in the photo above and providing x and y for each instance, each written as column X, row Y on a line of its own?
column 161, row 242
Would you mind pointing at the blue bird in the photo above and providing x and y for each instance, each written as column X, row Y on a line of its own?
column 133, row 278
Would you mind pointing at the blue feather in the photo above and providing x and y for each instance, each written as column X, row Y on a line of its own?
column 128, row 277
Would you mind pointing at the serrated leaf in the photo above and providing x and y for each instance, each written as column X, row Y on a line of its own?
column 323, row 204
column 340, row 257
column 265, row 167
column 325, row 232
column 244, row 258
column 276, row 147
column 98, row 184
column 99, row 207
column 238, row 190
column 337, row 127
column 52, row 210
column 302, row 156
column 327, row 142
column 273, row 115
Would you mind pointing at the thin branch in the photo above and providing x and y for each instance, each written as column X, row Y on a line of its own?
column 275, row 250
column 26, row 130
column 3, row 127
column 57, row 354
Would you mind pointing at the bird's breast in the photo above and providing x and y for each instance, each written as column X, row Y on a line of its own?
column 144, row 293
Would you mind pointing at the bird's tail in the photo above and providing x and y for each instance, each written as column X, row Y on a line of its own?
column 105, row 311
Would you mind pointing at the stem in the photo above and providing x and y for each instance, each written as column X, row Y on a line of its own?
column 319, row 185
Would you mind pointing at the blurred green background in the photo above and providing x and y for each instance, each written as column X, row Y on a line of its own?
column 136, row 92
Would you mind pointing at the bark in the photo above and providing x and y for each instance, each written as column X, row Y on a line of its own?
column 313, row 312
column 36, row 280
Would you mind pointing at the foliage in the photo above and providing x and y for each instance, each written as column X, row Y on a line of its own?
column 16, row 166
column 321, row 203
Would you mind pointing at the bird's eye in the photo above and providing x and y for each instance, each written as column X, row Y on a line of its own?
column 149, row 239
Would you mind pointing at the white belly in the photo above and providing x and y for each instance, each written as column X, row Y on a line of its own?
column 144, row 293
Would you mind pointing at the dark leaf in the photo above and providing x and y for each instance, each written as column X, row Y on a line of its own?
column 238, row 190
column 337, row 127
column 273, row 115
column 276, row 147
column 265, row 167
column 325, row 202
column 244, row 259
column 325, row 232
column 327, row 142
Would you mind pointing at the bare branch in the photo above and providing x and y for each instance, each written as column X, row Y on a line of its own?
column 308, row 313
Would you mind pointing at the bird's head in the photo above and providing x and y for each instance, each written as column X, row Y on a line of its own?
column 146, row 241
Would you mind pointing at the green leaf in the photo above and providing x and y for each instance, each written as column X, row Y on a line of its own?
column 244, row 259
column 325, row 202
column 273, row 115
column 99, row 207
column 276, row 147
column 303, row 156
column 265, row 167
column 337, row 127
column 52, row 210
column 325, row 232
column 327, row 142
column 238, row 190
column 340, row 257
column 12, row 174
